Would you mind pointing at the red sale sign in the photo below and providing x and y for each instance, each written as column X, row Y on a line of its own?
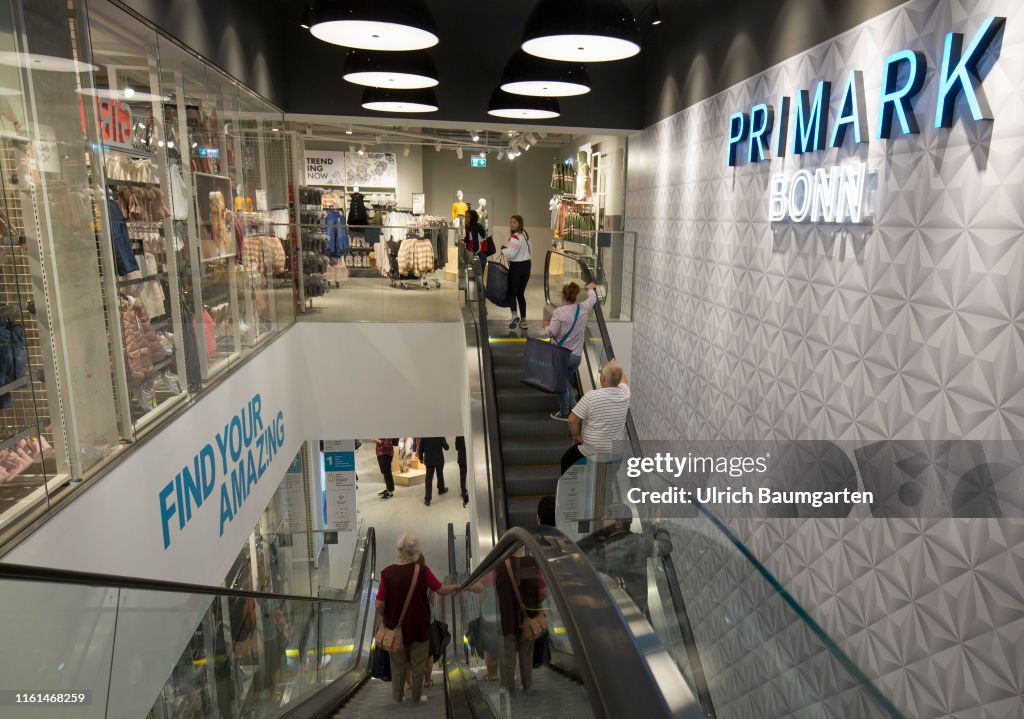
column 115, row 122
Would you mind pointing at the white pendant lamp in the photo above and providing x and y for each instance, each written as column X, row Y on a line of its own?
column 408, row 101
column 390, row 25
column 391, row 70
column 582, row 31
column 526, row 74
column 522, row 107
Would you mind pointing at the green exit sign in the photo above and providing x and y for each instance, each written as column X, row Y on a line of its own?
column 478, row 161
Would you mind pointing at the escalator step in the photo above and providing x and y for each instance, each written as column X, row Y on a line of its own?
column 531, row 480
column 527, row 400
column 522, row 511
column 542, row 450
column 531, row 424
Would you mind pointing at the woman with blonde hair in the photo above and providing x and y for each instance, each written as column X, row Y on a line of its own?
column 567, row 328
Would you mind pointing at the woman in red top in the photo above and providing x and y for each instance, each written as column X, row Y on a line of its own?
column 396, row 582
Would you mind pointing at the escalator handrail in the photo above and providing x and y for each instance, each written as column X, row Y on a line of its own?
column 19, row 572
column 603, row 643
column 841, row 656
column 499, row 510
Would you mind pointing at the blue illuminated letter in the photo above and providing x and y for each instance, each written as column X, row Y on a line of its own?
column 762, row 118
column 899, row 98
column 782, row 133
column 959, row 73
column 810, row 123
column 166, row 512
column 737, row 128
column 852, row 112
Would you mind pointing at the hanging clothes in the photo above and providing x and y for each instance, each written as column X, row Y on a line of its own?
column 337, row 233
column 357, row 214
column 123, row 254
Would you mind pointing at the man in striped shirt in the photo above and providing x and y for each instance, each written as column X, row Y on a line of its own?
column 598, row 421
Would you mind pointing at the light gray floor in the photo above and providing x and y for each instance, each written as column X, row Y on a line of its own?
column 405, row 512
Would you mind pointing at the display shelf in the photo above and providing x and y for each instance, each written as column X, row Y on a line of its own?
column 158, row 412
column 364, row 272
column 165, row 362
column 132, row 183
column 14, row 138
column 12, row 440
column 140, row 280
column 16, row 384
column 133, row 152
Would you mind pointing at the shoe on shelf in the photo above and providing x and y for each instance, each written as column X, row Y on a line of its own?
column 513, row 322
column 426, row 502
column 557, row 414
column 442, row 490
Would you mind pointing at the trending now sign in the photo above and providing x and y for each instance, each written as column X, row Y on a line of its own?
column 802, row 126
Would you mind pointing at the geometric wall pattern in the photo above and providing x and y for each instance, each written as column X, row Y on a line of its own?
column 910, row 327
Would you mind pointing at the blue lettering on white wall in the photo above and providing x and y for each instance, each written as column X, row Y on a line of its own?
column 237, row 456
column 903, row 77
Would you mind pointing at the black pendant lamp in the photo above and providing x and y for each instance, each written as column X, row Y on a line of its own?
column 582, row 31
column 528, row 75
column 522, row 107
column 391, row 25
column 407, row 101
column 391, row 70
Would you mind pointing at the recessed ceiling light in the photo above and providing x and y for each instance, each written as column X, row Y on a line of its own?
column 394, row 71
column 375, row 98
column 581, row 31
column 528, row 75
column 390, row 25
column 522, row 107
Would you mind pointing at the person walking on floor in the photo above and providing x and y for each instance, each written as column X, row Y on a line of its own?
column 460, row 448
column 432, row 454
column 567, row 326
column 519, row 255
column 385, row 454
column 476, row 237
column 598, row 421
column 402, row 600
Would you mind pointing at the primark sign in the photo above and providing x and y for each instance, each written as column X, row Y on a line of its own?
column 801, row 125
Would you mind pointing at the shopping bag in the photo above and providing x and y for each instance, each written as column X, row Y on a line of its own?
column 440, row 637
column 545, row 366
column 497, row 284
column 380, row 664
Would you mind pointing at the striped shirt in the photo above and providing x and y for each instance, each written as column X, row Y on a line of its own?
column 603, row 412
column 561, row 321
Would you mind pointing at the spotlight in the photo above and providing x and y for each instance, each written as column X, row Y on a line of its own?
column 362, row 150
column 405, row 151
column 437, row 146
column 129, row 92
column 349, row 130
column 170, row 144
column 458, row 152
column 501, row 154
column 378, row 139
column 195, row 145
column 476, row 136
column 374, row 25
column 581, row 31
column 655, row 13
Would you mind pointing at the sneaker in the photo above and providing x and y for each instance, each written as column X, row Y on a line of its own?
column 557, row 414
column 387, row 495
column 513, row 322
column 382, row 493
column 426, row 502
column 465, row 500
column 523, row 326
column 443, row 490
column 171, row 381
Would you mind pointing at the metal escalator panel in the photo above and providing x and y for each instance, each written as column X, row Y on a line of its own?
column 143, row 648
column 594, row 660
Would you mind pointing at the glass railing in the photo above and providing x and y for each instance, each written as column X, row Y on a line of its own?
column 609, row 257
column 592, row 659
column 741, row 640
column 95, row 646
column 382, row 274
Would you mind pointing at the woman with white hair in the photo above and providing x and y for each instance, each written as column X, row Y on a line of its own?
column 402, row 601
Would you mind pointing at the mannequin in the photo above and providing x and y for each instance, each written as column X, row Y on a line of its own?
column 481, row 209
column 459, row 208
column 583, row 190
column 357, row 214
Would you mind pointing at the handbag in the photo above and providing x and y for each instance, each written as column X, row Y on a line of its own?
column 546, row 364
column 533, row 627
column 380, row 664
column 491, row 249
column 497, row 284
column 391, row 639
column 440, row 638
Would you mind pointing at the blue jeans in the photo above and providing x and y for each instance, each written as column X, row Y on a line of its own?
column 567, row 400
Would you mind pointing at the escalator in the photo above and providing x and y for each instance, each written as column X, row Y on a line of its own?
column 94, row 642
column 744, row 645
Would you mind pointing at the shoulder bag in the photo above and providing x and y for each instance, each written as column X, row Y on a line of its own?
column 533, row 627
column 546, row 364
column 391, row 639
